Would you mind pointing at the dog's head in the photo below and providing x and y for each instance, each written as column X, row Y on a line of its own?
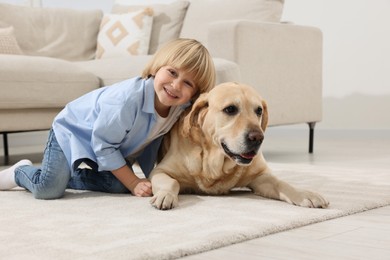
column 231, row 116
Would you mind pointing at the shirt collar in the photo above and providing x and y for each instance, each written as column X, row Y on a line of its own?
column 149, row 94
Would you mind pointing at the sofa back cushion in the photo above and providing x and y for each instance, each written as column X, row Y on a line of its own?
column 54, row 32
column 203, row 12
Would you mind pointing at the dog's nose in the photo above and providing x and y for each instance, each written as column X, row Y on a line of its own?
column 254, row 139
column 255, row 136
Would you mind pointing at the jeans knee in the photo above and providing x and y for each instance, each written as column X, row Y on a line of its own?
column 51, row 188
column 49, row 193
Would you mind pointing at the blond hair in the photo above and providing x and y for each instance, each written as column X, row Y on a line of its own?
column 187, row 54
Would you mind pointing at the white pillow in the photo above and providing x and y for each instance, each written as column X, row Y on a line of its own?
column 167, row 20
column 8, row 43
column 122, row 35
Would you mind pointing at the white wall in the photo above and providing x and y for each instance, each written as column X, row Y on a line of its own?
column 356, row 42
column 356, row 58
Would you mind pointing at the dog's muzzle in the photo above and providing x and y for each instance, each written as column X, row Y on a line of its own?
column 243, row 158
column 253, row 142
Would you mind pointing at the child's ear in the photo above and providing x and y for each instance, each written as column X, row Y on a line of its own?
column 194, row 118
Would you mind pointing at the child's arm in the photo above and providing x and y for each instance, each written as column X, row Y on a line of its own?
column 138, row 187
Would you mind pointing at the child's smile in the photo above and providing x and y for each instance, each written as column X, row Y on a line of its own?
column 170, row 93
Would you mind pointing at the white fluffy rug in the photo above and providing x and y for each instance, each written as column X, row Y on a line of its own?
column 90, row 225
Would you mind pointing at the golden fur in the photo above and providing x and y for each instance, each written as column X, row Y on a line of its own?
column 214, row 147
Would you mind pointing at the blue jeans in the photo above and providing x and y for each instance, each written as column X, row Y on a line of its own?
column 55, row 175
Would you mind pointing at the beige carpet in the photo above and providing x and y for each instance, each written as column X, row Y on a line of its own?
column 89, row 225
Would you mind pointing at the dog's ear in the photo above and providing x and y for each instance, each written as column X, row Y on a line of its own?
column 194, row 118
column 264, row 117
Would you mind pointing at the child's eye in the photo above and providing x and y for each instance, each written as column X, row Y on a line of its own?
column 189, row 84
column 172, row 72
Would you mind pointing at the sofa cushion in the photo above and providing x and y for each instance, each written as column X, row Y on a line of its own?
column 41, row 82
column 226, row 71
column 129, row 67
column 167, row 20
column 122, row 35
column 54, row 32
column 203, row 12
column 125, row 68
column 8, row 43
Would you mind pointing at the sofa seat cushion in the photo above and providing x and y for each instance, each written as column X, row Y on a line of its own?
column 41, row 82
column 112, row 70
column 129, row 67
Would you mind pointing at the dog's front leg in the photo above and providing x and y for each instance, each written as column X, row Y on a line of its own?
column 269, row 186
column 165, row 191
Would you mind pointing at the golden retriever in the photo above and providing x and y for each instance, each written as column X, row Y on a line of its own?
column 214, row 148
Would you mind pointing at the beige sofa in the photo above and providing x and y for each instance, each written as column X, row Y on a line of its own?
column 50, row 57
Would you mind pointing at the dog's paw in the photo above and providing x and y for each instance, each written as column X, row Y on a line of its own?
column 307, row 199
column 313, row 200
column 164, row 200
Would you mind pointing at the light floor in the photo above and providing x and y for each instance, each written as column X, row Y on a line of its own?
column 360, row 236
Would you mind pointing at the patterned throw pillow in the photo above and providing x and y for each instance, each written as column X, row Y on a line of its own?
column 124, row 35
column 167, row 20
column 8, row 43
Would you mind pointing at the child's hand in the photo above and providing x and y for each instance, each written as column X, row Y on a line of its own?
column 143, row 188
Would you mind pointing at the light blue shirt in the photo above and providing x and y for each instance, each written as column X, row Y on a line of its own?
column 109, row 124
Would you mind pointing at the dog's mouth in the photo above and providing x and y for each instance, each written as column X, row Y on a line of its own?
column 244, row 158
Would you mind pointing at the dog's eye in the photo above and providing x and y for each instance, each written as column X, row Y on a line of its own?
column 231, row 110
column 259, row 111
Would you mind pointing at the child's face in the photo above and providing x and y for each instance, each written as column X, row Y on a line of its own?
column 173, row 87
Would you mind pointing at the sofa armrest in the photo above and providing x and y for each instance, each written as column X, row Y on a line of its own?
column 282, row 61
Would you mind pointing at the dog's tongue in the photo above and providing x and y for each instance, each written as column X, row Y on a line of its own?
column 249, row 155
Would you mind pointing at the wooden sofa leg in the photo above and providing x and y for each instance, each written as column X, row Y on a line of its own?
column 5, row 144
column 311, row 136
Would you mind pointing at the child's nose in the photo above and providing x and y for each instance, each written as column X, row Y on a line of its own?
column 175, row 84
